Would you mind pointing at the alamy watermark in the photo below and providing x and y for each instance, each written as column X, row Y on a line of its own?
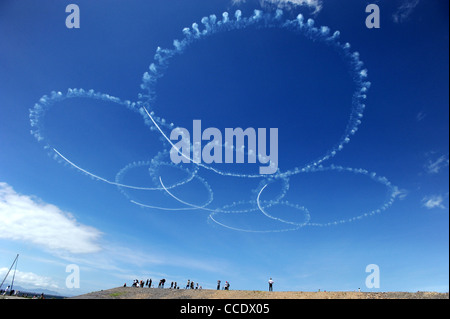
column 73, row 19
column 373, row 279
column 73, row 279
column 373, row 19
column 213, row 151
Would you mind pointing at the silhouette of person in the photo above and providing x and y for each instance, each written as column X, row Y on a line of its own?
column 271, row 284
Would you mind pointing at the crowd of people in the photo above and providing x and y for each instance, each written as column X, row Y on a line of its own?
column 173, row 285
column 190, row 284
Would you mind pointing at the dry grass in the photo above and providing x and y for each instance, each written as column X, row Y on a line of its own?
column 155, row 293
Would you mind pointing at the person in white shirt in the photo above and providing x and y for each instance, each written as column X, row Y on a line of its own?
column 271, row 284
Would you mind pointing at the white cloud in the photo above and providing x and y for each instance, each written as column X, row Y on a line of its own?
column 434, row 166
column 433, row 201
column 404, row 11
column 316, row 5
column 29, row 279
column 118, row 259
column 25, row 218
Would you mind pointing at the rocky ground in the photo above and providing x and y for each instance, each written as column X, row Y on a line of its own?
column 156, row 293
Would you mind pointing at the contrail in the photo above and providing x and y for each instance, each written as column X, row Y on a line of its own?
column 101, row 178
column 265, row 20
column 192, row 161
column 209, row 26
column 275, row 218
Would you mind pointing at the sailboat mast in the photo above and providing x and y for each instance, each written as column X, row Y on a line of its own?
column 15, row 268
column 14, row 262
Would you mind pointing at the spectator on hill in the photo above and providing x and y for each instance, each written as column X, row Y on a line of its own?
column 271, row 284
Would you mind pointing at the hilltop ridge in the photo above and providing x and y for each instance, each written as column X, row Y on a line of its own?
column 157, row 293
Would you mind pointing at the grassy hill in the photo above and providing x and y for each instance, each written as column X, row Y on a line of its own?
column 156, row 293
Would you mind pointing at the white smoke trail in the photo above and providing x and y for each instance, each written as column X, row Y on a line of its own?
column 190, row 206
column 275, row 218
column 152, row 165
column 212, row 26
column 209, row 26
column 261, row 209
column 265, row 20
column 392, row 190
column 203, row 207
column 101, row 178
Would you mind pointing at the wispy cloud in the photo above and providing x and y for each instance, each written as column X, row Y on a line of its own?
column 433, row 166
column 28, row 219
column 115, row 257
column 433, row 201
column 404, row 11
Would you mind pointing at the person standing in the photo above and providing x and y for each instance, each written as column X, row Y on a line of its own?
column 271, row 284
column 218, row 284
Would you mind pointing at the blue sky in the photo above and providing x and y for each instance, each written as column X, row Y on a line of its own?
column 53, row 214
